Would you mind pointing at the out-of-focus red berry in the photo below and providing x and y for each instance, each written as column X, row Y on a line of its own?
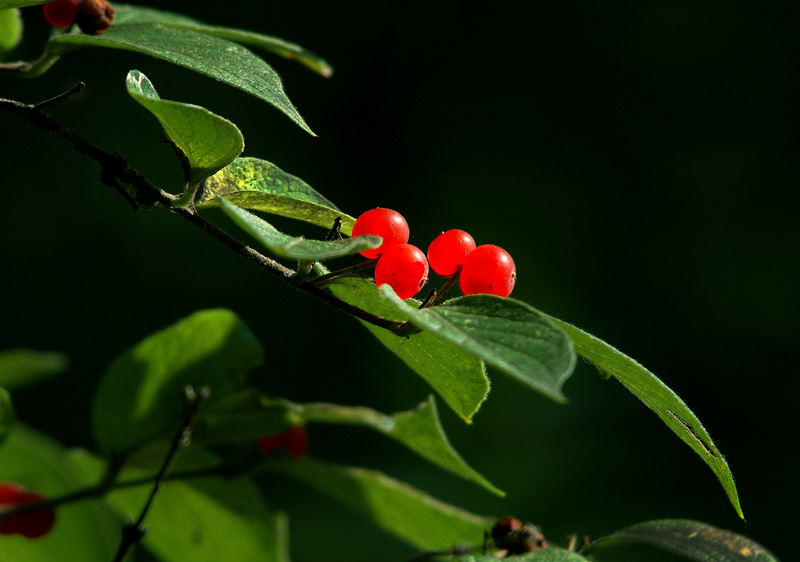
column 61, row 13
column 32, row 524
column 294, row 441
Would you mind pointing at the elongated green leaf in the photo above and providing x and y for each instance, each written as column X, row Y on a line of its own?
column 85, row 531
column 293, row 247
column 658, row 397
column 128, row 14
column 217, row 58
column 20, row 3
column 457, row 376
column 692, row 539
column 549, row 554
column 420, row 430
column 142, row 393
column 209, row 142
column 204, row 521
column 7, row 417
column 400, row 509
column 507, row 334
column 22, row 367
column 10, row 29
column 259, row 185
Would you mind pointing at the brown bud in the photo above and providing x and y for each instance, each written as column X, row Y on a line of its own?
column 95, row 16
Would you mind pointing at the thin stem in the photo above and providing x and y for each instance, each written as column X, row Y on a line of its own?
column 345, row 271
column 133, row 533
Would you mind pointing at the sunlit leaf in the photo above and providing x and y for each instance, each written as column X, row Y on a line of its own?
column 203, row 520
column 259, row 185
column 128, row 14
column 85, row 531
column 212, row 56
column 395, row 506
column 420, row 430
column 209, row 142
column 142, row 393
column 658, row 397
column 549, row 554
column 20, row 3
column 10, row 30
column 293, row 247
column 507, row 334
column 692, row 539
column 22, row 367
column 457, row 376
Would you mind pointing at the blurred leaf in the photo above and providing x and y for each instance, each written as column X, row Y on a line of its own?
column 457, row 376
column 507, row 334
column 549, row 554
column 259, row 185
column 20, row 3
column 298, row 248
column 205, row 520
column 692, row 539
column 241, row 416
column 142, row 393
column 420, row 430
column 85, row 531
column 659, row 398
column 22, row 367
column 10, row 30
column 7, row 417
column 400, row 509
column 127, row 14
column 209, row 142
column 217, row 58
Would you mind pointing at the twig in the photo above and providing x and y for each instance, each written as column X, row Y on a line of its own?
column 134, row 532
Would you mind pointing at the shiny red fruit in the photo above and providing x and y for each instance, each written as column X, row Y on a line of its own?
column 447, row 252
column 488, row 269
column 32, row 524
column 386, row 223
column 61, row 13
column 404, row 268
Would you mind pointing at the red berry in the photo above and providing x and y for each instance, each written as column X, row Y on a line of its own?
column 61, row 13
column 488, row 269
column 386, row 223
column 447, row 251
column 32, row 524
column 294, row 440
column 404, row 268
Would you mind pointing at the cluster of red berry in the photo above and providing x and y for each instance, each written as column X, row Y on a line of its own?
column 294, row 441
column 404, row 267
column 31, row 524
column 92, row 16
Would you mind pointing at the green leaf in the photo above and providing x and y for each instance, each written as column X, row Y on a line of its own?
column 209, row 142
column 142, row 393
column 204, row 521
column 297, row 248
column 217, row 58
column 7, row 417
column 457, row 376
column 549, row 554
column 659, row 398
column 400, row 509
column 507, row 334
column 20, row 3
column 84, row 531
column 420, row 430
column 242, row 416
column 127, row 14
column 692, row 539
column 259, row 185
column 22, row 367
column 10, row 29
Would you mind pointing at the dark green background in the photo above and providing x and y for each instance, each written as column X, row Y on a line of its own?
column 638, row 159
